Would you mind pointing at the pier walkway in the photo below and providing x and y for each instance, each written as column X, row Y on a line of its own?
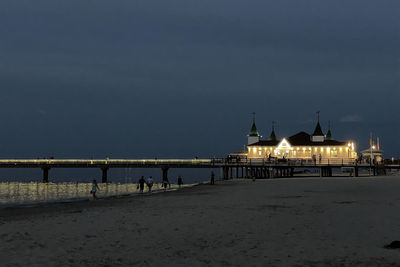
column 230, row 168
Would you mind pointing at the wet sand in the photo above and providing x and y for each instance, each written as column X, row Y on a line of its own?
column 277, row 222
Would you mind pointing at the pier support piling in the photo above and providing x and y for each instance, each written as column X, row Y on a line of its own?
column 104, row 176
column 45, row 174
column 325, row 171
column 225, row 173
column 165, row 174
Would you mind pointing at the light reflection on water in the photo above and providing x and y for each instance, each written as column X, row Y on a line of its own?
column 14, row 193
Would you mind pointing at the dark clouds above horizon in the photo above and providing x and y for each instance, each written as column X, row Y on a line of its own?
column 180, row 78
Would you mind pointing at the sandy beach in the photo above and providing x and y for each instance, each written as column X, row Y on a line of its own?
column 276, row 222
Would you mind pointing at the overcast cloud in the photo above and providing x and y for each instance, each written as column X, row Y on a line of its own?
column 162, row 78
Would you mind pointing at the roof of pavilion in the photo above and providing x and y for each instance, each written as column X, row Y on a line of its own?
column 374, row 151
column 300, row 139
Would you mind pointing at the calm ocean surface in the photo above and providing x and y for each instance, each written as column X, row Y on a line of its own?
column 22, row 193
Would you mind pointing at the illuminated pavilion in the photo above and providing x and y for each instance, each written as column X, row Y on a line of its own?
column 317, row 147
column 374, row 152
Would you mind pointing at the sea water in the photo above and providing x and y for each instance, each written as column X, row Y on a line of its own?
column 20, row 193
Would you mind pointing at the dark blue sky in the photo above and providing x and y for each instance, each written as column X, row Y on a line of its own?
column 156, row 78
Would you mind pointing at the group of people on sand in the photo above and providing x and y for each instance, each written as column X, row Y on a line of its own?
column 140, row 185
column 149, row 183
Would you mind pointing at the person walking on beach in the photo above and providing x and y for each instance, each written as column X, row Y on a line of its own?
column 180, row 181
column 94, row 189
column 165, row 183
column 141, row 184
column 150, row 183
column 212, row 181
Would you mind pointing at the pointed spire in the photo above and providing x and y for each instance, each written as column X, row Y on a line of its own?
column 253, row 131
column 329, row 134
column 272, row 136
column 318, row 130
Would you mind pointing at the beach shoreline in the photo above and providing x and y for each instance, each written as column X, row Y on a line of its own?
column 22, row 210
column 274, row 222
column 22, row 194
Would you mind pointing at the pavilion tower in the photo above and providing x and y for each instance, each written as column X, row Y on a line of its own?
column 253, row 136
column 272, row 136
column 318, row 135
column 329, row 134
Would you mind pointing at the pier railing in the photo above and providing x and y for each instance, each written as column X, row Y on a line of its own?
column 156, row 163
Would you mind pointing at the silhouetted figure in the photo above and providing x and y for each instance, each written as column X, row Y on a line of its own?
column 150, row 183
column 180, row 181
column 212, row 181
column 165, row 183
column 320, row 158
column 94, row 189
column 141, row 184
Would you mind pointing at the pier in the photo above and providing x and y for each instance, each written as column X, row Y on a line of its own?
column 229, row 168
